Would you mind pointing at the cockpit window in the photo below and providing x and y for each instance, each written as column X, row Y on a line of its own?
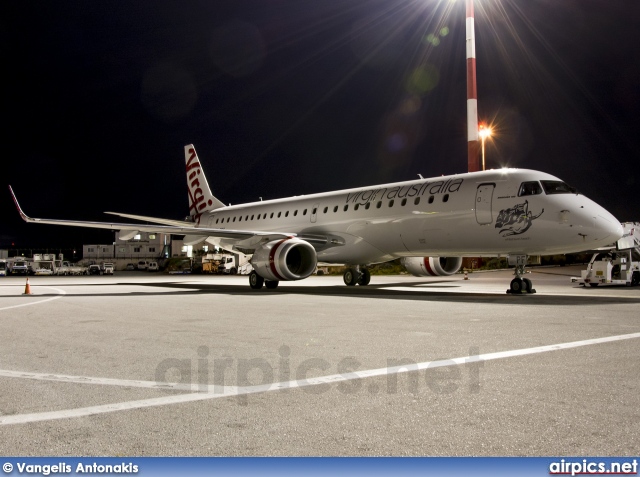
column 558, row 187
column 530, row 188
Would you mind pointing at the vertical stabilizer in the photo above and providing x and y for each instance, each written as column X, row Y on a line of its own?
column 200, row 197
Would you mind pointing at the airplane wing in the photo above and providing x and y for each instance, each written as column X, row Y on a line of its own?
column 154, row 220
column 168, row 226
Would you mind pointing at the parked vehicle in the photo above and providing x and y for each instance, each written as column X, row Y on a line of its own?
column 153, row 267
column 107, row 268
column 18, row 267
column 94, row 270
column 130, row 267
column 143, row 265
column 3, row 268
column 68, row 268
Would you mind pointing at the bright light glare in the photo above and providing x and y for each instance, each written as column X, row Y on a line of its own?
column 485, row 132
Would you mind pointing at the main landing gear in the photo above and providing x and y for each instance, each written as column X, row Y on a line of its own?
column 356, row 276
column 256, row 282
column 520, row 285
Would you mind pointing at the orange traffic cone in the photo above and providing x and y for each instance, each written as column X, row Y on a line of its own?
column 27, row 288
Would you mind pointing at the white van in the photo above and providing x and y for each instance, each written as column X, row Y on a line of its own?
column 143, row 265
column 3, row 268
column 153, row 267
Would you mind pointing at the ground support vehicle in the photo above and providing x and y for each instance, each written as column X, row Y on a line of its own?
column 619, row 265
column 18, row 266
column 68, row 268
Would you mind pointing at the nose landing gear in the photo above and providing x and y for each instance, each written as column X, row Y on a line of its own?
column 521, row 285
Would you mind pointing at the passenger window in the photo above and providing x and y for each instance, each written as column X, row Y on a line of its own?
column 391, row 203
column 368, row 205
column 271, row 216
column 286, row 214
column 252, row 217
column 335, row 209
column 417, row 201
column 240, row 219
column 234, row 219
column 326, row 209
column 305, row 212
column 379, row 204
column 431, row 199
column 404, row 202
column 295, row 213
column 279, row 214
column 529, row 188
column 445, row 198
column 356, row 207
column 315, row 211
column 345, row 208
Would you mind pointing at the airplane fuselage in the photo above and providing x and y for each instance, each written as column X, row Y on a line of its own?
column 489, row 213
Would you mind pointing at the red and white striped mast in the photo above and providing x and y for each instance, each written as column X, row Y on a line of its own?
column 473, row 161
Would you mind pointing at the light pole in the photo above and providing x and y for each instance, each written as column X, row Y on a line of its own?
column 484, row 132
column 472, row 92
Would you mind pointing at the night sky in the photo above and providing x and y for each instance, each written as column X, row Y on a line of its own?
column 290, row 97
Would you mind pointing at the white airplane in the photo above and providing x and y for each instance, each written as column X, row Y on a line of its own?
column 429, row 223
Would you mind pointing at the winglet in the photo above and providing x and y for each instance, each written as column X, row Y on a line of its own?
column 24, row 216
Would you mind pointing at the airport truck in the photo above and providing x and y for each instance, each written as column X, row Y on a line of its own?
column 18, row 266
column 619, row 265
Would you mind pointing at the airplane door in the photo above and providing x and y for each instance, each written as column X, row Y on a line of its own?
column 484, row 197
column 314, row 213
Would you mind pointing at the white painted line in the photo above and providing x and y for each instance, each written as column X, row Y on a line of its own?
column 209, row 392
column 61, row 294
column 64, row 378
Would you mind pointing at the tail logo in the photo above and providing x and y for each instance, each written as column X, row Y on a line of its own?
column 197, row 200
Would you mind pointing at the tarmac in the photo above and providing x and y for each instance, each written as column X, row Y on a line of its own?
column 148, row 364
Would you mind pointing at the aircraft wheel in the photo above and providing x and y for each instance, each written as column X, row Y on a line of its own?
column 255, row 281
column 271, row 285
column 365, row 278
column 517, row 285
column 528, row 286
column 350, row 277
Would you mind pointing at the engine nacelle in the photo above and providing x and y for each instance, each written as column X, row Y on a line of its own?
column 432, row 266
column 286, row 259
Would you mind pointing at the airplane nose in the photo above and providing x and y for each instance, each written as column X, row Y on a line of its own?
column 608, row 228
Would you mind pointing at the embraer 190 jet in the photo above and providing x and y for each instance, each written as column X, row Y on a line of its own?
column 431, row 224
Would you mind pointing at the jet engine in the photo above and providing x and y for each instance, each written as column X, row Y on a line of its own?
column 287, row 259
column 432, row 266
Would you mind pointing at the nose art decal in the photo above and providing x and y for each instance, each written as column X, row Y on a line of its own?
column 516, row 220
